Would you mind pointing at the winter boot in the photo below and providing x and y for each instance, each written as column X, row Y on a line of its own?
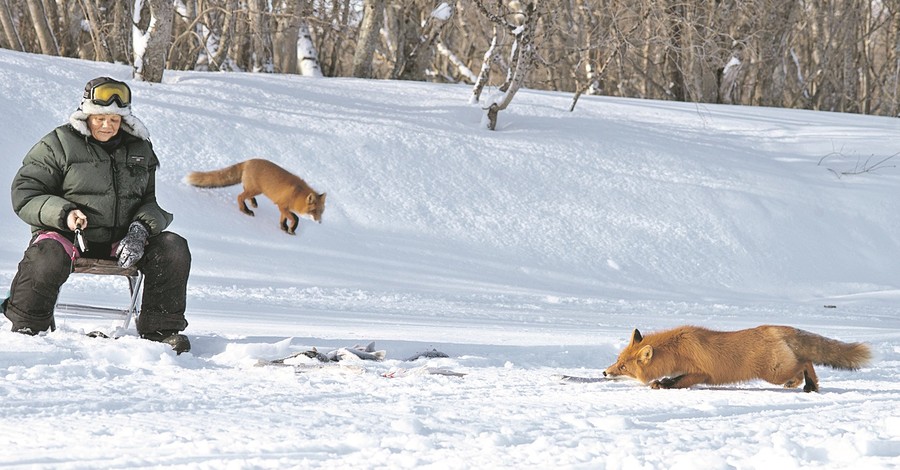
column 179, row 342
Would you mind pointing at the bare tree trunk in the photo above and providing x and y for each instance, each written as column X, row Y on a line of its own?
column 485, row 73
column 866, row 61
column 412, row 64
column 674, row 52
column 218, row 57
column 52, row 21
column 42, row 28
column 368, row 37
column 331, row 39
column 120, row 40
column 407, row 37
column 307, row 54
column 151, row 43
column 9, row 28
column 894, row 109
column 262, row 50
column 286, row 37
column 188, row 42
column 524, row 50
column 92, row 15
column 850, row 20
column 462, row 69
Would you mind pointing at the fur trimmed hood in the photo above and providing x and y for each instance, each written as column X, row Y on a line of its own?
column 130, row 123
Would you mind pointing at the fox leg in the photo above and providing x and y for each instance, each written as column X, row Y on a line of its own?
column 682, row 381
column 289, row 228
column 242, row 204
column 812, row 381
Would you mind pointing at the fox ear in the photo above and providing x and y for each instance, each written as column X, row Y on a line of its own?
column 322, row 197
column 636, row 337
column 645, row 354
column 311, row 198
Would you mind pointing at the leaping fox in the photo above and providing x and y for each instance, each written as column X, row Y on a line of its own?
column 288, row 191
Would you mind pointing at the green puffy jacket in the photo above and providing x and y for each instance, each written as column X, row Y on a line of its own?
column 66, row 170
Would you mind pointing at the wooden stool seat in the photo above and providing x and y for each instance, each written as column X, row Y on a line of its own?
column 103, row 267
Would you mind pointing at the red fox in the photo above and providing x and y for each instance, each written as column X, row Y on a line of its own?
column 690, row 355
column 288, row 192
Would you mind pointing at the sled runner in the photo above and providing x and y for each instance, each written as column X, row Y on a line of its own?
column 109, row 268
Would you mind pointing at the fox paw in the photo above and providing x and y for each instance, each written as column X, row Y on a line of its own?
column 288, row 229
column 665, row 383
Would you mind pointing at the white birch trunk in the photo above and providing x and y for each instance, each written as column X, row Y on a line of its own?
column 152, row 46
column 306, row 52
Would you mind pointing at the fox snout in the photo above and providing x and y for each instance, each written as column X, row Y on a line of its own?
column 612, row 374
column 610, row 371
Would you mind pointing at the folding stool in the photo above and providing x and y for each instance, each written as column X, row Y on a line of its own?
column 104, row 267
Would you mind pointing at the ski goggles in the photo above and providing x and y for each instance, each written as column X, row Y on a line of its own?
column 108, row 91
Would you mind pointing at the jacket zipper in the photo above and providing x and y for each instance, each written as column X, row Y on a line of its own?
column 115, row 182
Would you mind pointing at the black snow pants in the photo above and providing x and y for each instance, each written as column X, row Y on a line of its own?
column 46, row 266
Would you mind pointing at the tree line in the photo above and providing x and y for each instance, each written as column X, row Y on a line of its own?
column 832, row 55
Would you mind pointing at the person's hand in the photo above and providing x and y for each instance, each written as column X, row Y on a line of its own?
column 131, row 248
column 76, row 219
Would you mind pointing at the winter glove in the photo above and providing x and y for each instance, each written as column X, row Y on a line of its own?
column 131, row 248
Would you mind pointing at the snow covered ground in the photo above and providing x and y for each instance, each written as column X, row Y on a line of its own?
column 523, row 254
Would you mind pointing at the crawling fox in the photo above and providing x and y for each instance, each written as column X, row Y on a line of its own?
column 690, row 355
column 288, row 192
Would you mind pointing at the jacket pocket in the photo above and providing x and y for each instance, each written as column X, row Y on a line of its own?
column 138, row 170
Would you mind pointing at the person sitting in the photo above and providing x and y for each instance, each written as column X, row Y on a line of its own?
column 96, row 177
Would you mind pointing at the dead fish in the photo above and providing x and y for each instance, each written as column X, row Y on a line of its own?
column 312, row 354
column 367, row 353
column 426, row 354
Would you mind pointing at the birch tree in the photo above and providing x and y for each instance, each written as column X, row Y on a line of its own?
column 9, row 28
column 152, row 35
column 484, row 74
column 261, row 48
column 368, row 37
column 42, row 28
column 306, row 52
column 286, row 36
column 521, row 60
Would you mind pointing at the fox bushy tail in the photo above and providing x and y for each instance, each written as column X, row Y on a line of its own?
column 217, row 178
column 829, row 352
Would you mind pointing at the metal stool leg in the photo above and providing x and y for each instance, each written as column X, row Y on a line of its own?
column 135, row 283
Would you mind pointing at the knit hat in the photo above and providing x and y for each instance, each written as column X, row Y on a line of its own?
column 104, row 95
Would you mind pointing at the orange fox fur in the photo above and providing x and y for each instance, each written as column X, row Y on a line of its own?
column 288, row 192
column 690, row 355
